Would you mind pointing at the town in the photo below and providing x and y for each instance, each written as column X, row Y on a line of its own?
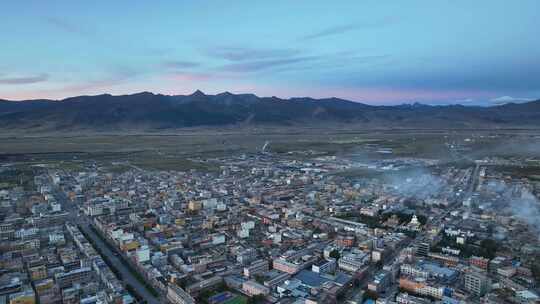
column 271, row 228
column 270, row 152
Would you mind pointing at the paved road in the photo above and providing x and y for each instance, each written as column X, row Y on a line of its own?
column 127, row 277
column 473, row 182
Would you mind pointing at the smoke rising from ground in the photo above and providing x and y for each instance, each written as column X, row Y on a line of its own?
column 527, row 208
column 418, row 183
column 521, row 202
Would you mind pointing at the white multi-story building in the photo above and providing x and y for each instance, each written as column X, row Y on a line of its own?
column 412, row 271
column 404, row 298
column 143, row 254
column 218, row 239
column 476, row 283
column 326, row 266
column 353, row 262
column 94, row 209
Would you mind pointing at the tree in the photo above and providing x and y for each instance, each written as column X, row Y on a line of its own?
column 488, row 248
column 335, row 254
column 256, row 299
column 259, row 278
column 370, row 295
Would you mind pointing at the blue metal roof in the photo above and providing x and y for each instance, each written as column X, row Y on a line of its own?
column 311, row 278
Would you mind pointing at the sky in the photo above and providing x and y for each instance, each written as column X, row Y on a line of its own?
column 480, row 52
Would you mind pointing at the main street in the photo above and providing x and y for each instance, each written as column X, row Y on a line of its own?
column 83, row 223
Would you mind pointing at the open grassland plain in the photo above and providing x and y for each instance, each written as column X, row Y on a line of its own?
column 191, row 149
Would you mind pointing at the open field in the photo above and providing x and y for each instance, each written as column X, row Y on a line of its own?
column 175, row 151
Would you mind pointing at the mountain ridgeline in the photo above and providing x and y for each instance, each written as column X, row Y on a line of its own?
column 154, row 112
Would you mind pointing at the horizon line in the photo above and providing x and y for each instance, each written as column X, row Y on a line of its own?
column 411, row 103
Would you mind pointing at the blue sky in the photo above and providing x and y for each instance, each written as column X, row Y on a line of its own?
column 377, row 52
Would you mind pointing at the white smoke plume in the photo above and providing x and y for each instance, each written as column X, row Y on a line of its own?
column 521, row 202
column 419, row 184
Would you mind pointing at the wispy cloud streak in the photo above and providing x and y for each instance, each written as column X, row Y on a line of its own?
column 332, row 31
column 68, row 27
column 341, row 29
column 259, row 65
column 246, row 54
column 24, row 80
column 180, row 64
column 507, row 99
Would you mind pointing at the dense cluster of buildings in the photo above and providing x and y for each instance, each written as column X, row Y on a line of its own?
column 45, row 259
column 271, row 229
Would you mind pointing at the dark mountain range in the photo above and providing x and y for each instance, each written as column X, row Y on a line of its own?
column 147, row 111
